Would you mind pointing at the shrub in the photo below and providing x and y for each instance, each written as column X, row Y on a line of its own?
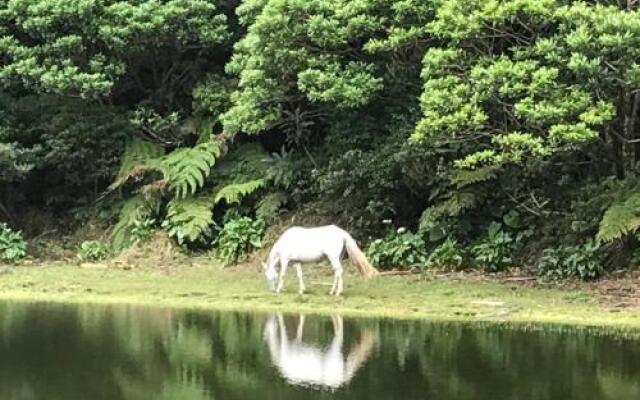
column 493, row 252
column 238, row 236
column 12, row 246
column 93, row 250
column 142, row 230
column 550, row 264
column 582, row 261
column 399, row 248
column 446, row 255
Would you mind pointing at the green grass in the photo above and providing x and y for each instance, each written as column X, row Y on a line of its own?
column 210, row 287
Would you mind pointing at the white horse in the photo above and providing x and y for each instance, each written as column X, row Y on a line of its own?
column 299, row 245
column 305, row 364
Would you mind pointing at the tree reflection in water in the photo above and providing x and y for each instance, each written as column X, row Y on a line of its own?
column 56, row 352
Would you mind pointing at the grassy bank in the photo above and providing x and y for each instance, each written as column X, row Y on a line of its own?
column 210, row 287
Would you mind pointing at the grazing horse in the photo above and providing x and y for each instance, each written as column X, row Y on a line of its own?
column 305, row 364
column 299, row 245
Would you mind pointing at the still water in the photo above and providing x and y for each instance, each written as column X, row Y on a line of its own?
column 123, row 353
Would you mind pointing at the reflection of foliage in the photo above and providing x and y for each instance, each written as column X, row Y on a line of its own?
column 184, row 389
column 189, row 346
column 139, row 354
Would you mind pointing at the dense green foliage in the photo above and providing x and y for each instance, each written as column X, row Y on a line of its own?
column 93, row 250
column 12, row 246
column 399, row 248
column 448, row 255
column 239, row 236
column 445, row 116
column 494, row 251
column 570, row 261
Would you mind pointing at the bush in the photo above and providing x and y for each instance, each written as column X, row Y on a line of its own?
column 447, row 255
column 399, row 248
column 142, row 230
column 239, row 236
column 93, row 250
column 582, row 261
column 12, row 246
column 493, row 252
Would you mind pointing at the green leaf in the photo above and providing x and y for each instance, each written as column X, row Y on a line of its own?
column 234, row 192
column 621, row 218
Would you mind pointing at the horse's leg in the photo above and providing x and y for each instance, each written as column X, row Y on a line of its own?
column 300, row 327
column 284, row 340
column 338, row 325
column 299, row 273
column 283, row 270
column 340, row 284
column 338, row 336
column 335, row 283
column 337, row 276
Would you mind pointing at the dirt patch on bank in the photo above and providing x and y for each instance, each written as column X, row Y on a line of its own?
column 619, row 292
column 616, row 292
column 159, row 252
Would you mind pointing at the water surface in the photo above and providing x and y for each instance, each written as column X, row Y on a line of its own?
column 123, row 353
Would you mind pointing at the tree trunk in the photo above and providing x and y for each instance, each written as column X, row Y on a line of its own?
column 618, row 157
column 633, row 131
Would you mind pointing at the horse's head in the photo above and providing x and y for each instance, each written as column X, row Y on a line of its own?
column 271, row 274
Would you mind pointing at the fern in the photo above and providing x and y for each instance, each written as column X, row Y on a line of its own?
column 156, row 187
column 137, row 159
column 199, row 126
column 465, row 177
column 185, row 172
column 269, row 205
column 244, row 163
column 621, row 218
column 450, row 207
column 466, row 194
column 134, row 210
column 189, row 218
column 233, row 192
column 186, row 169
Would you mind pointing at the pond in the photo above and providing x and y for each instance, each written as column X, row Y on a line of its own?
column 66, row 352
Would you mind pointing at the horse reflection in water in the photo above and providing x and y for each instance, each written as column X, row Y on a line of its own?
column 308, row 365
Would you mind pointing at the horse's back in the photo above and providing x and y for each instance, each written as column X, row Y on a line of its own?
column 310, row 244
column 313, row 233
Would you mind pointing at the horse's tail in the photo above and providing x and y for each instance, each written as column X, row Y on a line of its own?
column 358, row 258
